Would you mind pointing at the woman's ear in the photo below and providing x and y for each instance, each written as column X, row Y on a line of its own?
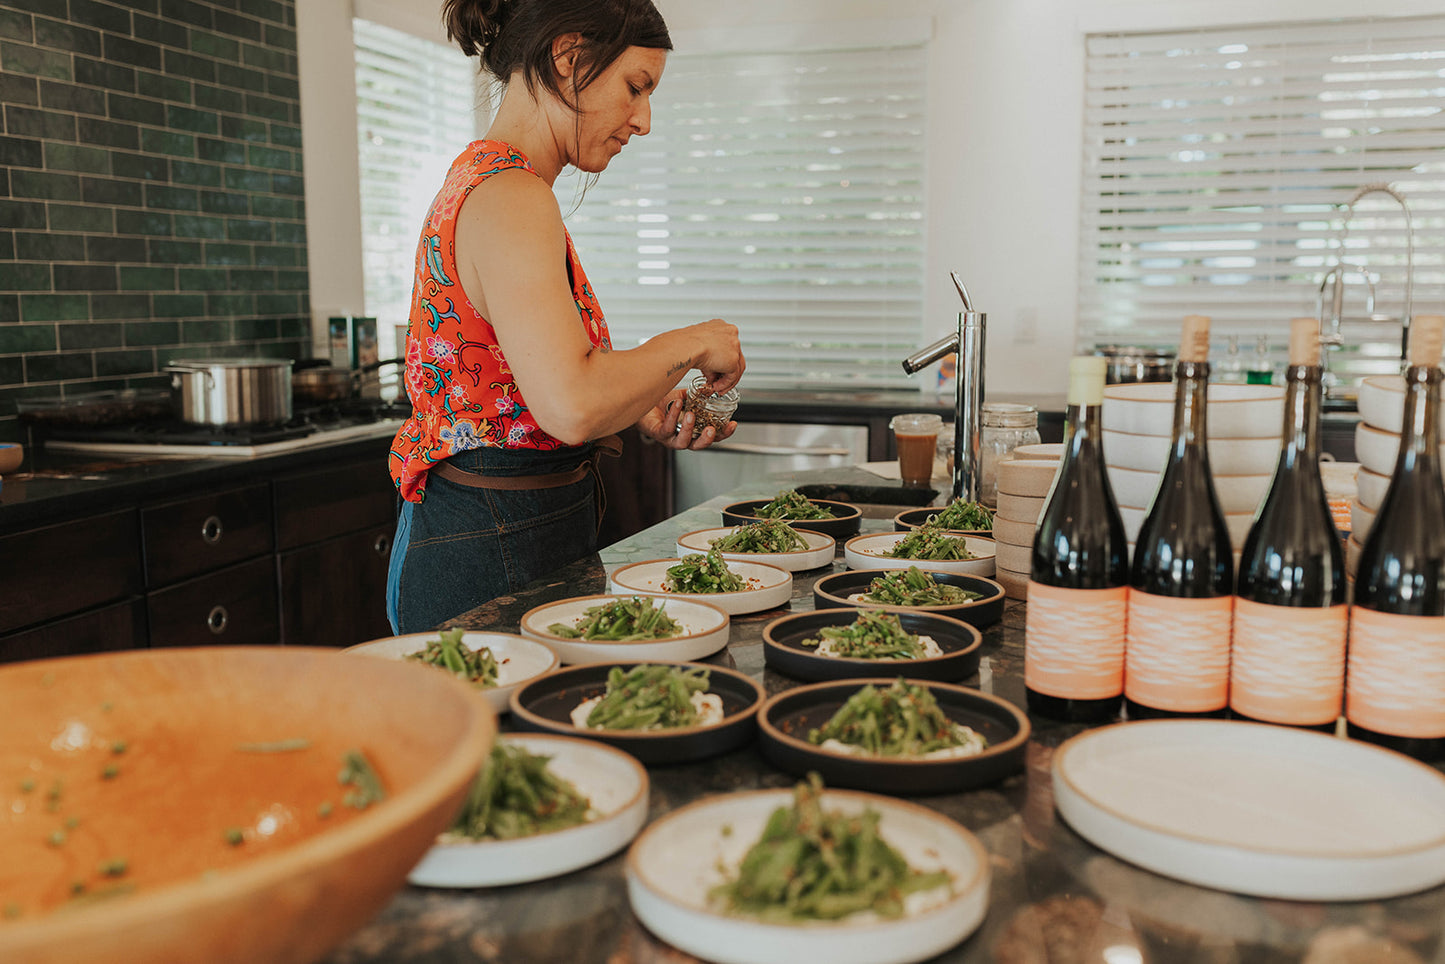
column 564, row 53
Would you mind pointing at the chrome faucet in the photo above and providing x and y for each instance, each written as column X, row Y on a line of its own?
column 968, row 341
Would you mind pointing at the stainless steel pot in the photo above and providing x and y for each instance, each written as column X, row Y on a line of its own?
column 316, row 382
column 1129, row 363
column 224, row 392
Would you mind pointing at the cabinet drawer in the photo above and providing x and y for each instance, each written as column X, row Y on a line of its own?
column 119, row 626
column 192, row 536
column 236, row 606
column 334, row 593
column 319, row 505
column 50, row 572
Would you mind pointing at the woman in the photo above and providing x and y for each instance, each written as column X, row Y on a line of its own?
column 508, row 364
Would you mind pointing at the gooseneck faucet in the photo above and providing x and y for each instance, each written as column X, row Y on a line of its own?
column 968, row 341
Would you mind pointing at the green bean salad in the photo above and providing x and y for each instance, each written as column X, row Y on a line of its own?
column 516, row 795
column 477, row 666
column 914, row 587
column 703, row 573
column 622, row 620
column 901, row 720
column 770, row 535
column 649, row 697
column 789, row 504
column 874, row 634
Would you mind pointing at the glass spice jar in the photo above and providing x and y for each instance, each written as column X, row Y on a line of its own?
column 1005, row 427
column 709, row 408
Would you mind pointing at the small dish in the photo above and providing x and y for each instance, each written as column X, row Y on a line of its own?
column 11, row 455
column 1238, row 494
column 1361, row 518
column 773, row 587
column 867, row 552
column 1371, row 487
column 1377, row 450
column 706, row 630
column 518, row 659
column 614, row 782
column 1235, row 411
column 1040, row 450
column 1237, row 523
column 845, row 522
column 1227, row 456
column 913, row 518
column 784, row 651
column 833, row 591
column 670, row 895
column 545, row 705
column 1381, row 403
column 820, row 551
column 785, row 719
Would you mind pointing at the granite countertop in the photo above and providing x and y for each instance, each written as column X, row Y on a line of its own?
column 1055, row 898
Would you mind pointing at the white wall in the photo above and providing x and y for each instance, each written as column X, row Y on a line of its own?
column 1005, row 127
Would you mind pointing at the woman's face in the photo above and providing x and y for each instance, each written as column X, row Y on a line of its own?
column 617, row 106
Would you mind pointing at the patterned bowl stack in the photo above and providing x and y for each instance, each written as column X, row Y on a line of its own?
column 1023, row 488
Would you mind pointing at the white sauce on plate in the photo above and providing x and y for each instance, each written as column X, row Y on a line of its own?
column 709, row 708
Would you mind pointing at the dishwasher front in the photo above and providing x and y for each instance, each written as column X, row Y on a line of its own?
column 758, row 449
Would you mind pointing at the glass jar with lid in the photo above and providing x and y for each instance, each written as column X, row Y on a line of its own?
column 1006, row 426
column 709, row 408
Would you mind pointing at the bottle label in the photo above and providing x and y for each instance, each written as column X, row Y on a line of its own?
column 1396, row 673
column 1288, row 662
column 1177, row 654
column 1074, row 641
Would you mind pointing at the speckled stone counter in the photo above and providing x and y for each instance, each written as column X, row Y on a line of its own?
column 1055, row 898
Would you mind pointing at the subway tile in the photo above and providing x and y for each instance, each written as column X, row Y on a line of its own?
column 24, row 276
column 191, row 172
column 4, row 182
column 170, row 198
column 177, row 306
column 159, row 31
column 149, row 6
column 297, row 327
column 208, row 331
column 223, row 202
column 128, row 362
column 7, row 245
column 60, row 307
column 214, row 45
column 22, row 214
column 29, row 122
column 277, row 303
column 227, row 152
column 291, row 280
column 190, row 119
column 81, row 217
column 58, row 95
column 147, row 278
column 168, row 142
column 263, row 58
column 15, row 25
column 253, row 279
column 243, row 179
column 287, row 184
column 268, row 107
column 12, row 371
column 84, row 277
column 265, row 9
column 248, row 230
column 96, row 131
column 291, row 233
column 256, row 329
column 101, row 15
column 184, row 10
column 202, row 279
column 120, row 306
column 19, row 89
column 138, row 333
column 133, row 53
column 163, row 86
column 279, row 36
column 237, row 26
column 32, row 6
column 174, row 252
column 200, row 226
column 18, row 339
column 73, row 157
column 243, row 129
column 67, row 37
column 91, row 334
column 139, row 109
column 240, row 78
column 231, row 303
column 271, row 208
column 218, row 252
column 49, row 246
column 103, row 248
column 277, row 256
column 98, row 73
column 189, row 65
column 20, row 152
column 109, row 190
column 24, row 59
column 9, row 308
column 152, row 223
column 283, row 86
column 45, row 185
column 144, row 167
column 219, row 98
column 285, row 135
column 60, row 366
column 271, row 157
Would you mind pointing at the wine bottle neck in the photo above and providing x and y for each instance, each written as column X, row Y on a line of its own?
column 1301, row 439
column 1191, row 393
column 1419, row 433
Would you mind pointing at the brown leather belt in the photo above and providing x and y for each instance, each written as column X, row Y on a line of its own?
column 608, row 445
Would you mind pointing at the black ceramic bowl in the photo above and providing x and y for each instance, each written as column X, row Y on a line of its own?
column 545, row 704
column 913, row 518
column 784, row 651
column 833, row 591
column 785, row 719
column 845, row 522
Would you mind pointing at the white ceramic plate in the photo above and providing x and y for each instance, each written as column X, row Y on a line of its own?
column 518, row 659
column 820, row 551
column 1377, row 450
column 1381, row 403
column 1040, row 450
column 772, row 587
column 674, row 863
column 1269, row 811
column 1371, row 487
column 1238, row 525
column 614, row 782
column 705, row 631
column 1227, row 456
column 1235, row 411
column 866, row 552
column 1238, row 494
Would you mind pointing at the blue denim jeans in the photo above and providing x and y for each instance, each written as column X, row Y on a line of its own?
column 462, row 546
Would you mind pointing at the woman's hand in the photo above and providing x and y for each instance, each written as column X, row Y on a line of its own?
column 670, row 424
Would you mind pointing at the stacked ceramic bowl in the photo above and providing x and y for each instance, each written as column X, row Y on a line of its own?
column 1377, row 443
column 1023, row 488
column 1244, row 423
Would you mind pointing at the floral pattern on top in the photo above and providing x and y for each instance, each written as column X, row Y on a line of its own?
column 462, row 392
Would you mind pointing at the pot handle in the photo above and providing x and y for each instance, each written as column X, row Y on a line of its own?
column 174, row 371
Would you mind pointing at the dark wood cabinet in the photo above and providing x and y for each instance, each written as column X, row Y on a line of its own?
column 58, row 570
column 334, row 592
column 117, row 626
column 190, row 536
column 234, row 606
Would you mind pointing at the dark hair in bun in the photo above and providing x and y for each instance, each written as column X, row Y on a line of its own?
column 513, row 35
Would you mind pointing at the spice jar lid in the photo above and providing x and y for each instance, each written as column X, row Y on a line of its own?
column 1009, row 415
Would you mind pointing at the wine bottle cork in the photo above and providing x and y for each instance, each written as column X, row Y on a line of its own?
column 1194, row 342
column 1086, row 379
column 1427, row 335
column 1304, row 341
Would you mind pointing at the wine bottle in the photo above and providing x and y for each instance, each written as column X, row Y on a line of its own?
column 1287, row 664
column 1395, row 689
column 1079, row 579
column 1181, row 584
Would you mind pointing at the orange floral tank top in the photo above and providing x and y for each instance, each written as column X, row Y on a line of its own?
column 462, row 392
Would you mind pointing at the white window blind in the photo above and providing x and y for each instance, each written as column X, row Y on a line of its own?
column 1217, row 164
column 782, row 192
column 415, row 113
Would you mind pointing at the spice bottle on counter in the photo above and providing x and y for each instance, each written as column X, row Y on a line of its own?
column 1397, row 624
column 1005, row 427
column 709, row 408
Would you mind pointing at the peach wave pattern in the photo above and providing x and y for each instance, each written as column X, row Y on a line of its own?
column 1396, row 673
column 1288, row 662
column 1177, row 654
column 1074, row 642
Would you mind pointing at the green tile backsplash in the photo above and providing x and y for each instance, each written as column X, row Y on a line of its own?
column 151, row 194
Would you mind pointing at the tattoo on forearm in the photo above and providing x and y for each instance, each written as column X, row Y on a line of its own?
column 681, row 366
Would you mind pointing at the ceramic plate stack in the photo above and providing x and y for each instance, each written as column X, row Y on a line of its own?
column 1377, row 443
column 1023, row 486
column 1244, row 437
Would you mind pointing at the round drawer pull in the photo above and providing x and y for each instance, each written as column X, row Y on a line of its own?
column 211, row 530
column 216, row 621
column 382, row 545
